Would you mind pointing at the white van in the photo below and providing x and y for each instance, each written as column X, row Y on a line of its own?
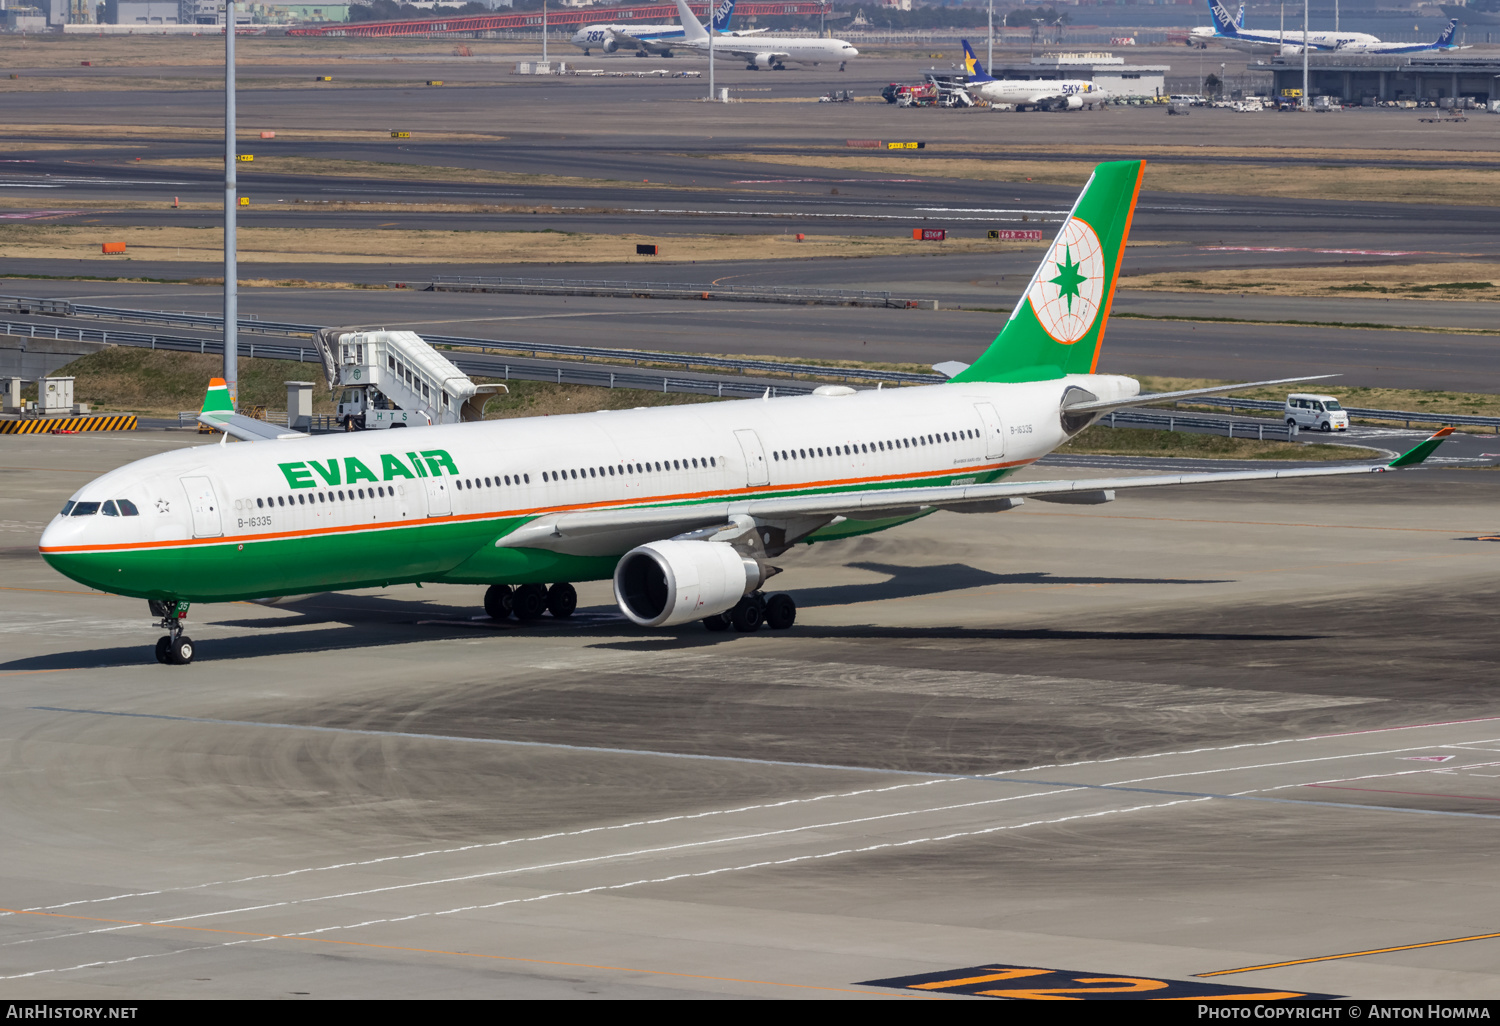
column 1323, row 412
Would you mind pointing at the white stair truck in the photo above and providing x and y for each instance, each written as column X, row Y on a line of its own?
column 393, row 379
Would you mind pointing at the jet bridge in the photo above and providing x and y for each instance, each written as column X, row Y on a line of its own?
column 391, row 379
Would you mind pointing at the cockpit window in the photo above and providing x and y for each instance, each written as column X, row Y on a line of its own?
column 85, row 509
column 68, row 507
column 108, row 509
column 127, row 508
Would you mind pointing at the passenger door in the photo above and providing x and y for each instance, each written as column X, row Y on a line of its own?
column 439, row 499
column 994, row 430
column 756, row 470
column 207, row 522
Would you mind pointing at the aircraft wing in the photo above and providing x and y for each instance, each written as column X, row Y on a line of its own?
column 246, row 429
column 746, row 54
column 578, row 532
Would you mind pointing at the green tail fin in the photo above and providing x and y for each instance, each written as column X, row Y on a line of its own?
column 217, row 399
column 1416, row 455
column 1058, row 325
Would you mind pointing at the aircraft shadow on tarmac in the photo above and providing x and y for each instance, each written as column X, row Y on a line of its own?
column 372, row 621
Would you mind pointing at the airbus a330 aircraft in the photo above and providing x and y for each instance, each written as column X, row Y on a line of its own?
column 772, row 53
column 1042, row 93
column 683, row 507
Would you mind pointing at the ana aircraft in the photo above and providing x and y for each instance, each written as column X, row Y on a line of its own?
column 684, row 507
column 645, row 39
column 1227, row 33
column 1444, row 41
column 1204, row 34
column 772, row 53
column 1042, row 93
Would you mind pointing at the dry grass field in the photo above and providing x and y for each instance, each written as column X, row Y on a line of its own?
column 1467, row 281
column 352, row 245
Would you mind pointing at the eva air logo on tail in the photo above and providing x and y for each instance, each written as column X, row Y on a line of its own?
column 1069, row 289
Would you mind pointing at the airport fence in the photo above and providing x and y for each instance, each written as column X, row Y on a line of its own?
column 1407, row 417
column 635, row 357
column 660, row 290
column 1202, row 425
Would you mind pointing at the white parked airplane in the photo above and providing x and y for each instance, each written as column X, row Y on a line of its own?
column 646, row 39
column 1444, row 41
column 1041, row 93
column 1227, row 33
column 685, row 508
column 774, row 53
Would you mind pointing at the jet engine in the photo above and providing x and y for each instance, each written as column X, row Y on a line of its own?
column 1074, row 102
column 610, row 44
column 762, row 60
column 665, row 583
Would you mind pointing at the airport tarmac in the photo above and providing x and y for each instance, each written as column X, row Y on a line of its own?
column 1190, row 732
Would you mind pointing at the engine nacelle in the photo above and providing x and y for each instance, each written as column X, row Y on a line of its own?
column 1074, row 102
column 665, row 583
column 610, row 44
column 763, row 60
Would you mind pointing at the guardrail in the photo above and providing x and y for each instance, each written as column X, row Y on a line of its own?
column 1202, row 425
column 1410, row 417
column 687, row 361
column 659, row 290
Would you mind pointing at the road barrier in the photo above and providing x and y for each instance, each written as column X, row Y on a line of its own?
column 48, row 425
column 1202, row 425
column 792, row 294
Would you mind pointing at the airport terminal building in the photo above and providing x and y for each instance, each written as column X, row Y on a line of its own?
column 1356, row 77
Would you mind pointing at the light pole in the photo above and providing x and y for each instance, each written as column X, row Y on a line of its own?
column 1306, row 99
column 231, row 201
column 711, row 51
column 989, row 58
column 544, row 31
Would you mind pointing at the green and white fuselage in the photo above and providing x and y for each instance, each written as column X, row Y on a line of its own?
column 247, row 521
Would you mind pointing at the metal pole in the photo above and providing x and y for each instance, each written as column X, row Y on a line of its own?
column 544, row 31
column 710, row 51
column 1306, row 99
column 231, row 202
column 989, row 60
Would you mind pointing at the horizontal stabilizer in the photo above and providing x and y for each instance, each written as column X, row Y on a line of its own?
column 246, row 429
column 1105, row 405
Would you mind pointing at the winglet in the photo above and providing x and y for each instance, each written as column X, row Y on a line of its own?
column 1423, row 450
column 217, row 398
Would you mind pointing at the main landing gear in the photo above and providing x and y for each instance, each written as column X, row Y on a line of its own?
column 176, row 649
column 754, row 610
column 530, row 601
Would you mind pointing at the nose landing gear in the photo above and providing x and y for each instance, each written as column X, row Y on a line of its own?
column 176, row 649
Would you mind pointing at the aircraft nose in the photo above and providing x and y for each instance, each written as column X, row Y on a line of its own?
column 851, row 51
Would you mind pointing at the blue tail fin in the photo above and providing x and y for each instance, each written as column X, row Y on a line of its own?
column 722, row 13
column 1222, row 23
column 1446, row 39
column 1239, row 21
column 972, row 68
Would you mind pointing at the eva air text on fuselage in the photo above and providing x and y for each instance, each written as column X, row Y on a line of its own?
column 352, row 470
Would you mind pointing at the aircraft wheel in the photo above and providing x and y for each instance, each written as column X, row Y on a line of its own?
column 181, row 650
column 747, row 614
column 717, row 622
column 781, row 612
column 497, row 601
column 530, row 601
column 164, row 650
column 562, row 599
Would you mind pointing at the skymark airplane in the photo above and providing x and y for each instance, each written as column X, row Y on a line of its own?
column 683, row 507
column 1042, row 93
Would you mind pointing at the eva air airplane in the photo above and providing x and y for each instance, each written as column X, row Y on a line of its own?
column 684, row 507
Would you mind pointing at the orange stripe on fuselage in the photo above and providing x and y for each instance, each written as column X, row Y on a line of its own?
column 538, row 511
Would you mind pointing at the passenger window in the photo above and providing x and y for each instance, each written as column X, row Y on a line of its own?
column 527, row 477
column 281, row 500
column 322, row 497
column 108, row 509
